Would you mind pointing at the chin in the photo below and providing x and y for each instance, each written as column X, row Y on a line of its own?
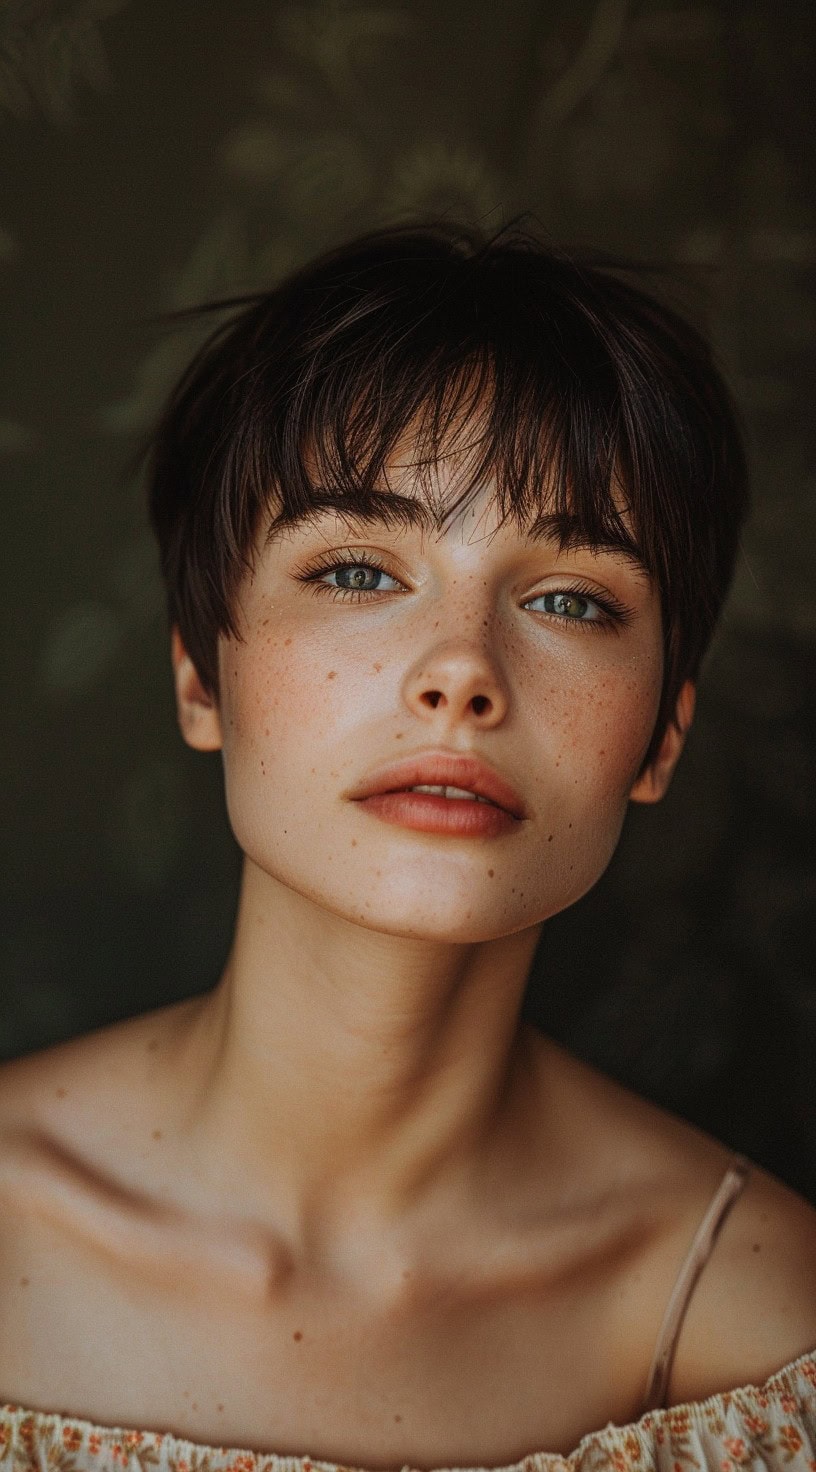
column 445, row 919
column 461, row 930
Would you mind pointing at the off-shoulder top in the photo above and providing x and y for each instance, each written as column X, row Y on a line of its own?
column 772, row 1425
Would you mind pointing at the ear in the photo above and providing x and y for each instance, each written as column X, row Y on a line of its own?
column 198, row 714
column 654, row 780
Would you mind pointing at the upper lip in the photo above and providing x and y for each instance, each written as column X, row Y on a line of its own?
column 442, row 769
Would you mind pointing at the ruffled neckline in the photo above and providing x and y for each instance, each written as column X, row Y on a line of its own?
column 638, row 1437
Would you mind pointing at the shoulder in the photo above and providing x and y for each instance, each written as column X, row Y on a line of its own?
column 90, row 1099
column 753, row 1309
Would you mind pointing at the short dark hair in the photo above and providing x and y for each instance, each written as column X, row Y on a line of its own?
column 587, row 399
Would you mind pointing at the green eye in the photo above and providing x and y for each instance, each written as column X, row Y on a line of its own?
column 360, row 577
column 572, row 606
column 365, row 576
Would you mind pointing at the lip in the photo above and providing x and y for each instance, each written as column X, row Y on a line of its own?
column 442, row 769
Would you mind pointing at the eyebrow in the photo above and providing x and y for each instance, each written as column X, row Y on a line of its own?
column 389, row 509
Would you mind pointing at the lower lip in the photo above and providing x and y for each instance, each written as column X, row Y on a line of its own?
column 430, row 813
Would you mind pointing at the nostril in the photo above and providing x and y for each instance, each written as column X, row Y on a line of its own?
column 433, row 697
column 479, row 703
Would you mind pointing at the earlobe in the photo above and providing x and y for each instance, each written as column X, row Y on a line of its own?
column 198, row 715
column 653, row 782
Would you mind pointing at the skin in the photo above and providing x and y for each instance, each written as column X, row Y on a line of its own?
column 402, row 1212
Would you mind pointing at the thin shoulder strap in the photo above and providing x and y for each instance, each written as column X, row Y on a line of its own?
column 698, row 1254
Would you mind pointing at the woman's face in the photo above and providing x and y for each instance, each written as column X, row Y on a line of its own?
column 364, row 646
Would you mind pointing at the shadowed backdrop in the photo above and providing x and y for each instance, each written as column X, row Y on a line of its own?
column 155, row 153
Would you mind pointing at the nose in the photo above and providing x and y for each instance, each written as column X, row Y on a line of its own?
column 459, row 680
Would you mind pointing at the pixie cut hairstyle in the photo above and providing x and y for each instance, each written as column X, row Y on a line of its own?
column 574, row 393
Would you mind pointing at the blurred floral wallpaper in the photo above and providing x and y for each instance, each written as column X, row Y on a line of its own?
column 155, row 153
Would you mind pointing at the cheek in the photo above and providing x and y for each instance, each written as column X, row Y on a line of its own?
column 268, row 686
column 619, row 714
column 286, row 705
column 277, row 747
column 601, row 732
column 596, row 716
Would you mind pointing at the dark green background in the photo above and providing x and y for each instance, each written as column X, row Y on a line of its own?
column 157, row 152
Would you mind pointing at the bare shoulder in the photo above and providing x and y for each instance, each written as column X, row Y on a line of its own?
column 87, row 1098
column 753, row 1309
column 75, row 1174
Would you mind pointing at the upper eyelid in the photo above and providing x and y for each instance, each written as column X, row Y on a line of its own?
column 578, row 587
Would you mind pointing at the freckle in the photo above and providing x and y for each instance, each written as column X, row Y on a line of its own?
column 378, row 873
column 194, row 1405
column 354, row 842
column 220, row 1405
column 60, row 1093
column 549, row 838
column 286, row 642
column 297, row 1334
column 24, row 1282
column 331, row 675
column 755, row 1248
column 398, row 736
column 152, row 1045
column 490, row 873
column 157, row 1134
column 377, row 668
column 185, row 1393
column 398, row 1418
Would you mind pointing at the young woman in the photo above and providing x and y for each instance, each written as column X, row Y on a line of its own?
column 446, row 524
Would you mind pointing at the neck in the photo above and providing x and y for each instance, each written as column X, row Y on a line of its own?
column 334, row 1063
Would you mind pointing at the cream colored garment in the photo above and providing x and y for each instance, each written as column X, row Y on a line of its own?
column 769, row 1426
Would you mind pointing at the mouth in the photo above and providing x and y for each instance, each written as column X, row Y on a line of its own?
column 458, row 793
column 444, row 775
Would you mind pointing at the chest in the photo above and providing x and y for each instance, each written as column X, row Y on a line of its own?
column 439, row 1379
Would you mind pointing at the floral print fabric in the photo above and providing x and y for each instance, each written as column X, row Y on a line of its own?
column 771, row 1425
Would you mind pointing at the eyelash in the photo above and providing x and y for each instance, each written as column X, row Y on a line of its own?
column 614, row 614
column 330, row 563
